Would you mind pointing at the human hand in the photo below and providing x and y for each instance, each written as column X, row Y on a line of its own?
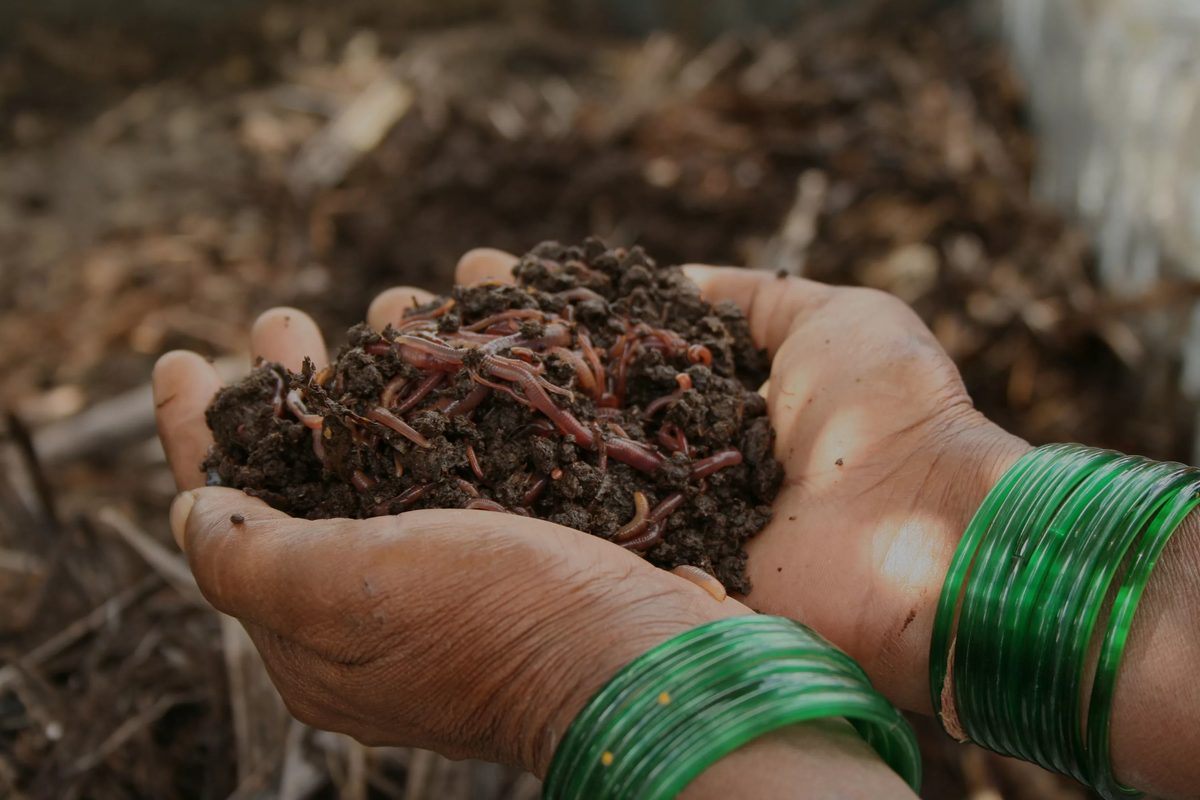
column 886, row 461
column 467, row 632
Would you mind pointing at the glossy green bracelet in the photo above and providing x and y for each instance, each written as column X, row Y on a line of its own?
column 1024, row 597
column 673, row 712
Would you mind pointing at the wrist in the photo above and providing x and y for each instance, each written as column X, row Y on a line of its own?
column 601, row 646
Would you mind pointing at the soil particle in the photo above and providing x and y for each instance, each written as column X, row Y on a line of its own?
column 598, row 374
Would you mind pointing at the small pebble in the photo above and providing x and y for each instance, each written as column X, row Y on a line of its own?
column 781, row 273
column 237, row 519
column 838, row 462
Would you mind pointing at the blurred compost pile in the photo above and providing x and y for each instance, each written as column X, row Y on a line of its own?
column 160, row 187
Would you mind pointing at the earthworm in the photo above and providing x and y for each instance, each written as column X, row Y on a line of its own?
column 627, row 354
column 602, row 449
column 318, row 447
column 512, row 313
column 707, row 466
column 321, row 377
column 539, row 427
column 437, row 354
column 608, row 413
column 525, row 354
column 399, row 464
column 635, row 454
column 617, row 429
column 535, row 489
column 645, row 541
column 470, row 402
column 673, row 342
column 483, row 504
column 314, row 421
column 587, row 378
column 659, row 403
column 277, row 400
column 593, row 358
column 539, row 399
column 638, row 524
column 405, row 498
column 471, row 457
column 378, row 348
column 475, row 376
column 423, row 388
column 469, row 339
column 579, row 293
column 702, row 579
column 390, row 420
column 556, row 474
column 672, row 437
column 664, row 509
column 391, row 391
column 609, row 400
column 698, row 353
column 361, row 481
column 684, row 380
column 424, row 315
column 467, row 487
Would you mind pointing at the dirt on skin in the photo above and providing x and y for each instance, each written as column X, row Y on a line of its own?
column 601, row 392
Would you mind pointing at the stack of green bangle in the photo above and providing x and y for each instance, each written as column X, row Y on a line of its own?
column 1032, row 573
column 673, row 712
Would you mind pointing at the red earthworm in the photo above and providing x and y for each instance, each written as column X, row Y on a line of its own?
column 587, row 378
column 277, row 400
column 556, row 474
column 672, row 437
column 651, row 537
column 520, row 512
column 391, row 390
column 423, row 388
column 390, row 420
column 399, row 464
column 318, row 445
column 707, row 466
column 468, row 339
column 539, row 399
column 609, row 400
column 568, row 314
column 617, row 429
column 661, row 402
column 314, row 421
column 577, row 294
column 470, row 402
column 635, row 454
column 443, row 403
column 405, row 498
column 535, row 489
column 593, row 358
column 684, row 380
column 512, row 313
column 361, row 481
column 539, row 427
column 525, row 354
column 321, row 377
column 627, row 354
column 474, row 459
column 698, row 353
column 535, row 374
column 483, row 504
column 467, row 487
column 487, row 282
column 618, row 347
column 673, row 342
column 608, row 413
column 602, row 451
column 668, row 506
column 378, row 348
column 438, row 354
column 423, row 325
column 475, row 376
column 702, row 579
column 424, row 315
column 636, row 525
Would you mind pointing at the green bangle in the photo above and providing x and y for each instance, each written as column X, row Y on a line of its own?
column 1024, row 594
column 673, row 712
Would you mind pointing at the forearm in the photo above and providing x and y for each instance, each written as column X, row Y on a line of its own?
column 826, row 759
column 1156, row 711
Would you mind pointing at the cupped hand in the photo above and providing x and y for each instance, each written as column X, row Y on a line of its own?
column 886, row 460
column 472, row 633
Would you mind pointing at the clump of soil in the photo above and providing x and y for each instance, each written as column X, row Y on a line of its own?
column 600, row 391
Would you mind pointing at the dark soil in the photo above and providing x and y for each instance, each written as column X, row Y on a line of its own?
column 674, row 415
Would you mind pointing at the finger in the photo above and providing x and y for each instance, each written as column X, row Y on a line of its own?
column 389, row 307
column 286, row 335
column 184, row 384
column 773, row 306
column 485, row 263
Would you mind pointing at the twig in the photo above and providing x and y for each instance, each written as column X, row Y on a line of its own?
column 80, row 628
column 127, row 729
column 173, row 568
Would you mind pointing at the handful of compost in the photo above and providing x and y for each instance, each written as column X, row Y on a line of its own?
column 599, row 391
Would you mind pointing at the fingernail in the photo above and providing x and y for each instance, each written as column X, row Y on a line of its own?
column 181, row 508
